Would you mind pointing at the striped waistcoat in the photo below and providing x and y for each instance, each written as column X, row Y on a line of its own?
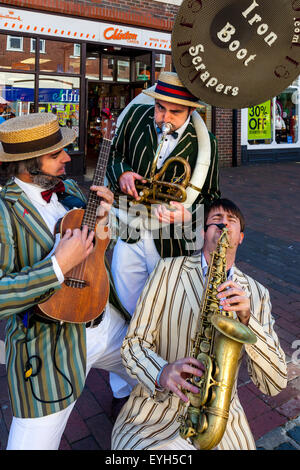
column 27, row 278
column 160, row 332
column 133, row 149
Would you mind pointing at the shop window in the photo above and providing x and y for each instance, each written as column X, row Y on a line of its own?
column 16, row 94
column 15, row 53
column 60, row 95
column 92, row 66
column 108, row 68
column 163, row 63
column 286, row 116
column 14, row 43
column 123, row 70
column 142, row 68
column 42, row 43
column 111, row 96
column 275, row 121
column 77, row 49
column 160, row 60
column 59, row 57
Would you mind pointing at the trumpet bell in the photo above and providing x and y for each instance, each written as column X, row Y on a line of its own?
column 233, row 329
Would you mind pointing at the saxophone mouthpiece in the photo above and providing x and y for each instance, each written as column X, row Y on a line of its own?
column 220, row 226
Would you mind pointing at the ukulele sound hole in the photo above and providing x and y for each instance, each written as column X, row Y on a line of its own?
column 76, row 283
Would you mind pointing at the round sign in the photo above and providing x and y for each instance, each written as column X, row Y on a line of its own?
column 236, row 54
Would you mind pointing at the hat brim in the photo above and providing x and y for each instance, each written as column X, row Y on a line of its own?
column 68, row 136
column 170, row 99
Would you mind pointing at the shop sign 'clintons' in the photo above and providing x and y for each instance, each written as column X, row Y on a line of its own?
column 236, row 54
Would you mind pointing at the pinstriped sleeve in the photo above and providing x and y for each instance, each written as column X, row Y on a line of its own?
column 139, row 346
column 21, row 290
column 266, row 359
column 117, row 163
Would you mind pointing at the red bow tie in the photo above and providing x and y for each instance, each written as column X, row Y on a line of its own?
column 58, row 188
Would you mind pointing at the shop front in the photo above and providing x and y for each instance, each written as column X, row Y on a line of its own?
column 270, row 130
column 75, row 68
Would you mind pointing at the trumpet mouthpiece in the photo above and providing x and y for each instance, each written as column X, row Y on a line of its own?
column 166, row 127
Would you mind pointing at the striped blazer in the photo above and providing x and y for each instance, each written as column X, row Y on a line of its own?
column 160, row 333
column 28, row 278
column 133, row 149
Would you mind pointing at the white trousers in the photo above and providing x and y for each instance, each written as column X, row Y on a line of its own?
column 131, row 266
column 103, row 351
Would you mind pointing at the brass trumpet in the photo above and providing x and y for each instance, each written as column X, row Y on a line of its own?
column 157, row 191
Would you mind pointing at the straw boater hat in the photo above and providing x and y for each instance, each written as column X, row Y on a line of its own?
column 169, row 88
column 31, row 136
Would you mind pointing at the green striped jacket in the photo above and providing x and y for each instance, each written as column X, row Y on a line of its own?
column 27, row 278
column 133, row 149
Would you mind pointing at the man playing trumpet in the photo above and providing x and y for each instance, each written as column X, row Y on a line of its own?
column 131, row 159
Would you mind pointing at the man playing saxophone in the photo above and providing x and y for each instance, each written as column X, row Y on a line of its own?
column 157, row 348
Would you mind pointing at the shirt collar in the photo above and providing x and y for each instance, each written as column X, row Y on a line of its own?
column 33, row 191
column 204, row 266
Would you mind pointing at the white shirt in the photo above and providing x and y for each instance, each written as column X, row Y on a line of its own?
column 205, row 268
column 169, row 144
column 50, row 212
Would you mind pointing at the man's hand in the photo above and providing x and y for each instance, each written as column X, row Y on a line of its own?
column 179, row 215
column 174, row 375
column 105, row 205
column 127, row 183
column 234, row 299
column 73, row 248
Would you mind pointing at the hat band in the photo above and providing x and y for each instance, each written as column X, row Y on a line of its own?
column 33, row 145
column 174, row 91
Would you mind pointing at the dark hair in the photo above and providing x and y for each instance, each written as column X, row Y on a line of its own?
column 10, row 169
column 228, row 206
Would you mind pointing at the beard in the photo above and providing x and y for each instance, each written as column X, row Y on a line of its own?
column 45, row 182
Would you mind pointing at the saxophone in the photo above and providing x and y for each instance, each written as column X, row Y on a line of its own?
column 217, row 344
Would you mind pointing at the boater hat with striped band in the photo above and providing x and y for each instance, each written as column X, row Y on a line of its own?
column 169, row 88
column 31, row 136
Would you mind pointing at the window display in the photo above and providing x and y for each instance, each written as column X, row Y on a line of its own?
column 16, row 94
column 275, row 122
column 60, row 95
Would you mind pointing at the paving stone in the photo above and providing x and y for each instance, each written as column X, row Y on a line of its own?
column 286, row 446
column 76, row 427
column 290, row 409
column 295, row 434
column 262, row 424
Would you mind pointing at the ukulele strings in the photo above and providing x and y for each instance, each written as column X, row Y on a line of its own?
column 78, row 272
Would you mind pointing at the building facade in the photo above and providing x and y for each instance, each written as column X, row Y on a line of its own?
column 76, row 58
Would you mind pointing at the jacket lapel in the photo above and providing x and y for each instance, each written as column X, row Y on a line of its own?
column 192, row 279
column 28, row 216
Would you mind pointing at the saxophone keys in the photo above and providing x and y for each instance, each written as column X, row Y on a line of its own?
column 204, row 346
column 208, row 332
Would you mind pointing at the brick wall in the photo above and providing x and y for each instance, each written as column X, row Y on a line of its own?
column 224, row 135
column 147, row 13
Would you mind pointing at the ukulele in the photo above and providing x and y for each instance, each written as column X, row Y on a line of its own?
column 85, row 290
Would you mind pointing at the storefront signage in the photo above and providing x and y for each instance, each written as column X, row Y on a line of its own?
column 46, row 95
column 83, row 30
column 259, row 121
